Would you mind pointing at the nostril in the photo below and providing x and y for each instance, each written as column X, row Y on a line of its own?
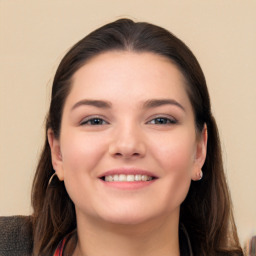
column 127, row 149
column 126, row 154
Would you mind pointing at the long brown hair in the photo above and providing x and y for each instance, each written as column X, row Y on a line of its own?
column 206, row 212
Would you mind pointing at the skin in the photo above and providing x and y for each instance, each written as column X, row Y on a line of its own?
column 116, row 221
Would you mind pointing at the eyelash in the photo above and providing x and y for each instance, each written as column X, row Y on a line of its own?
column 89, row 121
column 157, row 121
column 163, row 121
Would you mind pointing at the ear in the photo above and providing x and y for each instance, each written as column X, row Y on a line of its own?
column 200, row 156
column 55, row 154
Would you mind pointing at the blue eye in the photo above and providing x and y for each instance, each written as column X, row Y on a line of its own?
column 162, row 121
column 94, row 121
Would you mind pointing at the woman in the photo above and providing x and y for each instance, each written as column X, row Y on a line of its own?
column 132, row 161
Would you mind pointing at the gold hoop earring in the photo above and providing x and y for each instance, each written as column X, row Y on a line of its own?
column 51, row 179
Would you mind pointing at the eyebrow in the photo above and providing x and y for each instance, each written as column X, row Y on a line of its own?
column 95, row 103
column 147, row 104
column 160, row 102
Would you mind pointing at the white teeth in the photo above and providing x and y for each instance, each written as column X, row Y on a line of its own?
column 109, row 178
column 116, row 177
column 122, row 177
column 138, row 177
column 143, row 177
column 130, row 177
column 127, row 178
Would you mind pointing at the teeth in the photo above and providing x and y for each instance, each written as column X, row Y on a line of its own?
column 130, row 177
column 138, row 177
column 143, row 177
column 122, row 177
column 127, row 178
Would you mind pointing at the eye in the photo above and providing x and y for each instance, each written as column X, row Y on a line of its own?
column 162, row 121
column 94, row 121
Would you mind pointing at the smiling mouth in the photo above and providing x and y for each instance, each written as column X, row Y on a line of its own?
column 127, row 178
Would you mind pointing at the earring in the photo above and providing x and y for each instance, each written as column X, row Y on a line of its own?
column 200, row 175
column 50, row 182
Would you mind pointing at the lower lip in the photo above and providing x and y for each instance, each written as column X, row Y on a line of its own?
column 132, row 185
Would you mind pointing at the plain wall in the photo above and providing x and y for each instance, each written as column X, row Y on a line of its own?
column 34, row 35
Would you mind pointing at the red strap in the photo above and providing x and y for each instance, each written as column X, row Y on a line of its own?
column 60, row 247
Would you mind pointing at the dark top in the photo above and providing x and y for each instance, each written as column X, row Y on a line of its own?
column 16, row 237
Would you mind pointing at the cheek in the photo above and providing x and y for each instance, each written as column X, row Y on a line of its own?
column 81, row 153
column 176, row 154
column 176, row 160
column 177, row 176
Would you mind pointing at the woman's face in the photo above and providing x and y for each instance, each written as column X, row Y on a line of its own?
column 128, row 148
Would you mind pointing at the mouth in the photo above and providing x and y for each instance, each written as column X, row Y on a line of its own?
column 128, row 178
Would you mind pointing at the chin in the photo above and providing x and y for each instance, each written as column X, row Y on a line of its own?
column 128, row 217
column 127, row 220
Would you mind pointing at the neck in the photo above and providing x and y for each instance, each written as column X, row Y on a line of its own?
column 152, row 238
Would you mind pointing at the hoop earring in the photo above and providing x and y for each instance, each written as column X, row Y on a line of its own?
column 51, row 179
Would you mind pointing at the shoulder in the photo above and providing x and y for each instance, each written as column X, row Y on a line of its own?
column 16, row 236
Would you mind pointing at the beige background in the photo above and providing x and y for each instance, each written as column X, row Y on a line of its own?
column 35, row 35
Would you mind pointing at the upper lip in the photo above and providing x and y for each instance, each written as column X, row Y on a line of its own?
column 127, row 171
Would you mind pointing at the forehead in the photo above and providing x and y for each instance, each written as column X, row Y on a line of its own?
column 122, row 75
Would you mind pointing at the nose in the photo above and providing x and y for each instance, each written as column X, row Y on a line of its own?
column 128, row 143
